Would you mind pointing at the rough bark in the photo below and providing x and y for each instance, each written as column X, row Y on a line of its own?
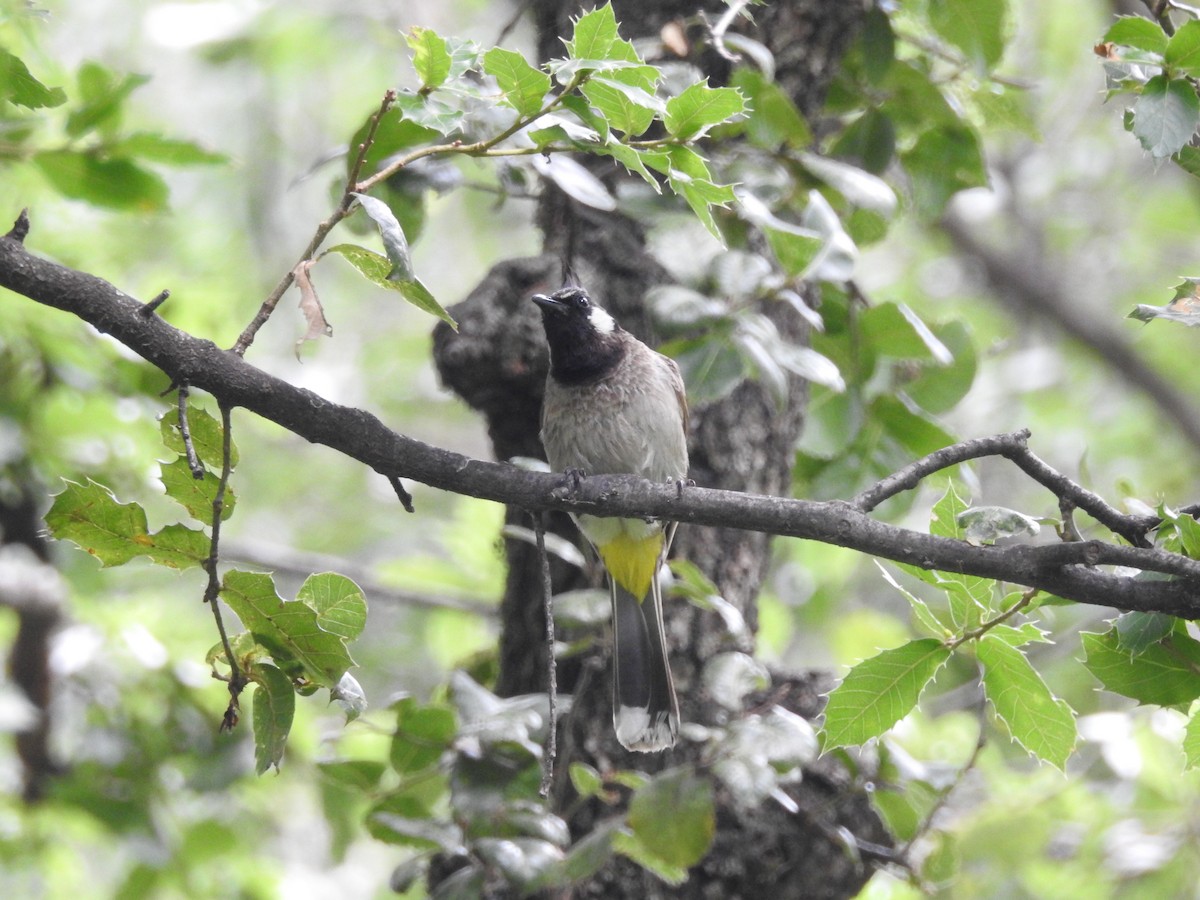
column 745, row 443
column 30, row 587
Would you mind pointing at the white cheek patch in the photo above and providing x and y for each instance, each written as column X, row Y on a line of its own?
column 601, row 321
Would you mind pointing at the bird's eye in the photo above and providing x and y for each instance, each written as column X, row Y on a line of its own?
column 582, row 301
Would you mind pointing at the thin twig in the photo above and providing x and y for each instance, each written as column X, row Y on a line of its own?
column 354, row 186
column 1132, row 528
column 1014, row 447
column 511, row 24
column 212, row 590
column 343, row 209
column 1161, row 10
column 914, row 473
column 940, row 803
column 154, row 304
column 717, row 32
column 486, row 147
column 1025, row 599
column 539, row 529
column 402, row 494
column 189, row 449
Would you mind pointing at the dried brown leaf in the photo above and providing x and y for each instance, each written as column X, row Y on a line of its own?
column 310, row 305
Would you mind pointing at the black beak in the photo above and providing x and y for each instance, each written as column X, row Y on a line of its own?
column 548, row 303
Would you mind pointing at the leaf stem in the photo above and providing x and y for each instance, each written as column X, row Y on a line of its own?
column 1026, row 599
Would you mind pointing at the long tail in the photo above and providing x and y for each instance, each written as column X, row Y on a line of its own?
column 645, row 711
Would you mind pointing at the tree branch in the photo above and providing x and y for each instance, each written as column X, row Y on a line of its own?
column 1067, row 569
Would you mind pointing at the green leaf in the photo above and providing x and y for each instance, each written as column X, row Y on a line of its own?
column 592, row 852
column 625, row 108
column 870, row 141
column 167, row 151
column 361, row 775
column 631, row 159
column 976, row 27
column 858, row 186
column 429, row 112
column 90, row 516
column 273, row 708
column 587, row 781
column 880, row 691
column 689, row 177
column 920, row 608
column 1036, row 719
column 627, row 844
column 1183, row 50
column 431, row 57
column 289, row 629
column 1018, row 636
column 395, row 245
column 1185, row 526
column 524, row 862
column 943, row 161
column 938, row 388
column 423, row 734
column 1191, row 740
column 1162, row 674
column 904, row 809
column 700, row 107
column 1165, row 116
column 207, row 437
column 406, row 821
column 524, row 86
column 773, row 118
column 103, row 94
column 673, row 816
column 20, row 87
column 795, row 247
column 943, row 521
column 711, row 366
column 1137, row 631
column 375, row 268
column 595, row 36
column 878, row 45
column 1135, row 31
column 196, row 495
column 340, row 604
column 112, row 183
column 915, row 432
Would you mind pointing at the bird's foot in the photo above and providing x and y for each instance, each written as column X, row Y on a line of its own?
column 574, row 477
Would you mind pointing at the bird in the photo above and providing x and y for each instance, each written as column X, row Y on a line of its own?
column 614, row 406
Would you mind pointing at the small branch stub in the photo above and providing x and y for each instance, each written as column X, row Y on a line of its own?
column 20, row 227
column 149, row 308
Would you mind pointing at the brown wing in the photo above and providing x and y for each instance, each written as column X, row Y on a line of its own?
column 677, row 384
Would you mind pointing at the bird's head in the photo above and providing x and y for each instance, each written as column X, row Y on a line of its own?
column 571, row 309
column 584, row 339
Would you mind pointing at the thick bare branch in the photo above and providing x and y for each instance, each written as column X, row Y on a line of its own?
column 1068, row 569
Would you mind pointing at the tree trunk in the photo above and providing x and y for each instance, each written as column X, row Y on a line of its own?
column 497, row 363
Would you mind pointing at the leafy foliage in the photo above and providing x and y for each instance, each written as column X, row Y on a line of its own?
column 785, row 212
